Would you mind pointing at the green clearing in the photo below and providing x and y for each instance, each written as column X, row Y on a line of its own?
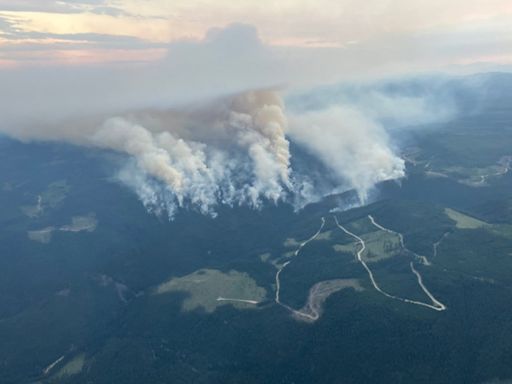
column 31, row 211
column 463, row 221
column 206, row 286
column 327, row 235
column 346, row 248
column 55, row 193
column 291, row 242
column 51, row 197
column 71, row 368
column 42, row 235
column 86, row 223
column 380, row 245
column 468, row 222
column 81, row 223
column 264, row 257
column 361, row 226
column 473, row 176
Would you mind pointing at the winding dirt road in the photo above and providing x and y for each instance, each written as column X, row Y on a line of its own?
column 300, row 314
column 436, row 306
column 422, row 259
column 220, row 298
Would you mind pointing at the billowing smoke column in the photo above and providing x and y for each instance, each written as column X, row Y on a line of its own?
column 355, row 148
column 235, row 151
column 247, row 163
column 259, row 121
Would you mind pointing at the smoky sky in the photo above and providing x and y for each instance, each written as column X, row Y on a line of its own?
column 208, row 124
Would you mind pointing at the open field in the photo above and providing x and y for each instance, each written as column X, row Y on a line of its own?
column 464, row 221
column 81, row 223
column 380, row 245
column 71, row 368
column 86, row 223
column 206, row 286
column 42, row 235
column 326, row 235
column 51, row 197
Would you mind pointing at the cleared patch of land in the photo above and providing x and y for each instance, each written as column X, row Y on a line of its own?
column 55, row 193
column 289, row 254
column 205, row 286
column 81, row 223
column 346, row 248
column 380, row 245
column 319, row 292
column 51, row 197
column 35, row 210
column 463, row 221
column 42, row 235
column 264, row 257
column 362, row 226
column 436, row 305
column 78, row 224
column 471, row 176
column 73, row 367
column 324, row 236
column 291, row 242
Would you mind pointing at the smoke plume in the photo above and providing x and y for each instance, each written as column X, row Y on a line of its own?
column 231, row 152
column 235, row 151
column 357, row 150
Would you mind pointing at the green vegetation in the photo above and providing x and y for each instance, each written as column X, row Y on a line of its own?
column 362, row 226
column 463, row 221
column 291, row 243
column 81, row 223
column 347, row 248
column 206, row 288
column 86, row 223
column 55, row 193
column 92, row 295
column 325, row 235
column 71, row 368
column 42, row 235
column 51, row 197
column 380, row 245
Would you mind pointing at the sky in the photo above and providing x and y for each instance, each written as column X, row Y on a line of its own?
column 193, row 92
column 392, row 33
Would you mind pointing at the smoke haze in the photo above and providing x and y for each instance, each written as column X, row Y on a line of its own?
column 198, row 129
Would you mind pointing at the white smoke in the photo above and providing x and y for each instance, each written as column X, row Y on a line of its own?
column 235, row 151
column 121, row 135
column 247, row 162
column 356, row 149
column 259, row 122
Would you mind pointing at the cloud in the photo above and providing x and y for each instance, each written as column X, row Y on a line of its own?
column 224, row 62
column 68, row 6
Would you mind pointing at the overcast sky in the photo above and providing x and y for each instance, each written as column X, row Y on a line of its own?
column 62, row 58
column 435, row 33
